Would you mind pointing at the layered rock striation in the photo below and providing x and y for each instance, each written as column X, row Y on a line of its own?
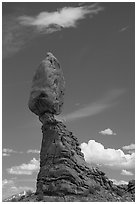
column 63, row 169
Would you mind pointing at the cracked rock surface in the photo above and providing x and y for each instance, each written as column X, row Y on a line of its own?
column 63, row 169
column 47, row 91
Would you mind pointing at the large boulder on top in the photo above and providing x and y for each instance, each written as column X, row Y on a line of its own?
column 48, row 86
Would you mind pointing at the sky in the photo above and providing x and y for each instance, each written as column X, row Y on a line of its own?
column 94, row 43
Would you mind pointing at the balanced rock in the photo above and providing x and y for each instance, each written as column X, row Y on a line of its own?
column 64, row 175
column 48, row 86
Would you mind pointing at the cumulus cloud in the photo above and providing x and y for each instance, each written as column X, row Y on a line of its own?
column 120, row 182
column 19, row 30
column 95, row 108
column 28, row 169
column 107, row 131
column 129, row 147
column 9, row 188
column 35, row 151
column 126, row 173
column 96, row 153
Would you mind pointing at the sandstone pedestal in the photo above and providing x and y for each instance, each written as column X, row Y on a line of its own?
column 62, row 166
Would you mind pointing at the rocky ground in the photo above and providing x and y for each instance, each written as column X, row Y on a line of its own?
column 122, row 193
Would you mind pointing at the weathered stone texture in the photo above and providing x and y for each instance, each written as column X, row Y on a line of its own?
column 63, row 169
column 47, row 91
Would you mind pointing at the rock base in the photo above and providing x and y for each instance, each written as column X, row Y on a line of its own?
column 63, row 169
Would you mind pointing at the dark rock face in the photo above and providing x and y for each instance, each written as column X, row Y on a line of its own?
column 95, row 194
column 47, row 87
column 63, row 170
column 131, row 187
column 62, row 166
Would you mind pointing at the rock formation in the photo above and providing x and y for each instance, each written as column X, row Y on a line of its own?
column 62, row 166
column 47, row 87
column 63, row 170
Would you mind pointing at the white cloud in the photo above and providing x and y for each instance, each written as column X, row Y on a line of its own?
column 129, row 147
column 28, row 169
column 7, row 182
column 120, row 182
column 96, row 107
column 62, row 18
column 131, row 151
column 89, row 110
column 8, row 152
column 5, row 155
column 126, row 173
column 33, row 151
column 107, row 131
column 18, row 30
column 95, row 152
column 9, row 188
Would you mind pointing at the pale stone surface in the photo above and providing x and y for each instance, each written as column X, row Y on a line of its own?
column 48, row 85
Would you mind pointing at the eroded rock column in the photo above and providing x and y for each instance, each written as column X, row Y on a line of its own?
column 63, row 169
